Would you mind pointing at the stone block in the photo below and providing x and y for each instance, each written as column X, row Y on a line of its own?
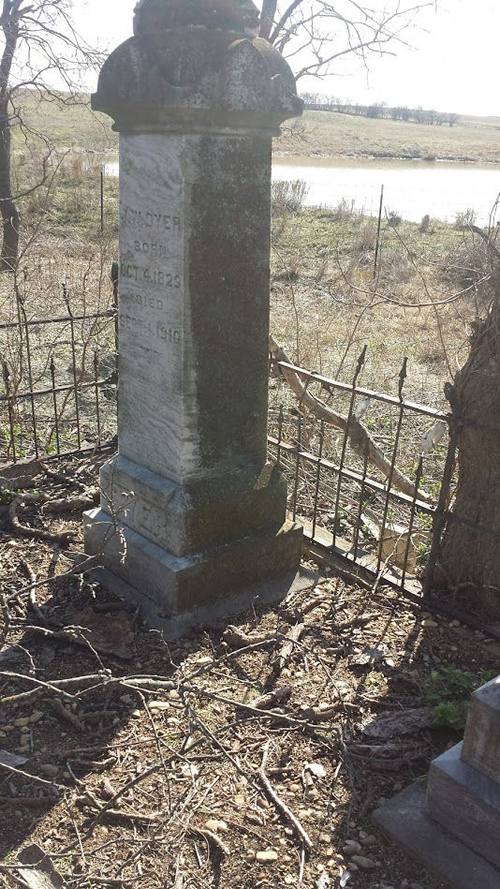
column 193, row 513
column 481, row 747
column 466, row 802
column 203, row 513
column 177, row 588
column 407, row 821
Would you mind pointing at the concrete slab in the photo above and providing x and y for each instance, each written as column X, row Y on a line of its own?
column 406, row 820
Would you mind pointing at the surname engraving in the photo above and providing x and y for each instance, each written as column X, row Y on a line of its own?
column 150, row 219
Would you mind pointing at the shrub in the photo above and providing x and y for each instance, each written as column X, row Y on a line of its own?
column 344, row 210
column 288, row 195
column 465, row 219
column 425, row 224
column 394, row 219
column 448, row 691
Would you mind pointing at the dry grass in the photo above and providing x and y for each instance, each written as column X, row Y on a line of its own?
column 326, row 305
column 326, row 134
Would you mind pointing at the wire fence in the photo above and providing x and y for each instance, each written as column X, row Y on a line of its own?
column 365, row 469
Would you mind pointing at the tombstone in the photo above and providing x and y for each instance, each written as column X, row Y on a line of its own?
column 192, row 522
column 453, row 825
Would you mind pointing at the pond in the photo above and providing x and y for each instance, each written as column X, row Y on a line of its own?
column 411, row 188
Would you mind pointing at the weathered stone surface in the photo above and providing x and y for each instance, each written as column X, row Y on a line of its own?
column 406, row 820
column 182, row 584
column 466, row 802
column 200, row 512
column 481, row 747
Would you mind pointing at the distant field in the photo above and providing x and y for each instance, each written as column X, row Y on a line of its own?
column 319, row 133
column 330, row 134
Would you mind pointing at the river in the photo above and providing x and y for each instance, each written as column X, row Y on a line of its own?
column 411, row 188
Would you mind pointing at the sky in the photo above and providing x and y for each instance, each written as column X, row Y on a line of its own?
column 450, row 64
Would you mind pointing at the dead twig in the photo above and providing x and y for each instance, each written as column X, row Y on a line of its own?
column 282, row 808
column 292, row 638
column 18, row 502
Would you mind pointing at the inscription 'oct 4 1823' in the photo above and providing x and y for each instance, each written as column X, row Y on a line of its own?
column 152, row 277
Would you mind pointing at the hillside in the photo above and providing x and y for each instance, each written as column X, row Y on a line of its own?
column 317, row 133
column 331, row 135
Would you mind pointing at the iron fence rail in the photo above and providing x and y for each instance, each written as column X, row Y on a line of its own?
column 331, row 488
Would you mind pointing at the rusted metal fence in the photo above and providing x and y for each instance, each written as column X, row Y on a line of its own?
column 58, row 376
column 59, row 399
column 375, row 513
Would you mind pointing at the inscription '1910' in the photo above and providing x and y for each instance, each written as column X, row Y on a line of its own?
column 160, row 330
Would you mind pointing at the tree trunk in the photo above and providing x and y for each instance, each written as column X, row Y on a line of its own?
column 470, row 552
column 267, row 18
column 8, row 209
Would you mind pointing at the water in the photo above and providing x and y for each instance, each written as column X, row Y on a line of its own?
column 411, row 188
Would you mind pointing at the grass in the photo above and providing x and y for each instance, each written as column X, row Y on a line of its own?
column 326, row 307
column 317, row 133
column 326, row 134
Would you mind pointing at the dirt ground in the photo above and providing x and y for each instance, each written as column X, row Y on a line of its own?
column 240, row 757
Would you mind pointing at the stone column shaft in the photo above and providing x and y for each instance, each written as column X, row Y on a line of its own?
column 192, row 513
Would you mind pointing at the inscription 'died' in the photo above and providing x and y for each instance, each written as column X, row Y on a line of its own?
column 141, row 318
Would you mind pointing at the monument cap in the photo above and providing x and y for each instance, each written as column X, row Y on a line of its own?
column 238, row 16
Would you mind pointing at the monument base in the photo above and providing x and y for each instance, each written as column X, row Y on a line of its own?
column 406, row 820
column 177, row 593
column 466, row 802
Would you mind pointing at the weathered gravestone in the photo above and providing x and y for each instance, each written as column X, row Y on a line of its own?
column 192, row 514
column 454, row 825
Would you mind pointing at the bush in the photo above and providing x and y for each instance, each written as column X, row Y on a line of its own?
column 288, row 195
column 465, row 219
column 448, row 691
column 425, row 224
column 344, row 211
column 394, row 219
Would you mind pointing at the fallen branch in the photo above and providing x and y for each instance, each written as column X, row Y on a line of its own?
column 211, row 838
column 358, row 436
column 72, row 504
column 63, row 537
column 280, row 805
column 292, row 638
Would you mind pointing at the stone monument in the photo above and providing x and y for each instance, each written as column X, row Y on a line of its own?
column 454, row 825
column 193, row 515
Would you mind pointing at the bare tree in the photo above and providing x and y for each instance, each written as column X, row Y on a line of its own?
column 43, row 55
column 317, row 33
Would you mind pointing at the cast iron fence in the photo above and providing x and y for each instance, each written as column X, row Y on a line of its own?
column 59, row 399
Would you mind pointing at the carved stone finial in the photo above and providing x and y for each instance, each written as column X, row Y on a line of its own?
column 240, row 16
